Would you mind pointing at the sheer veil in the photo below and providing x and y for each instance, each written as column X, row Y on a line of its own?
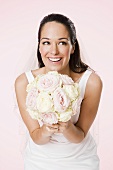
column 94, row 130
column 28, row 61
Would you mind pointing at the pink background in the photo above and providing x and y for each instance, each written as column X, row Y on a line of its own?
column 18, row 30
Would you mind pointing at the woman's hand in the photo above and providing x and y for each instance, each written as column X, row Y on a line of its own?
column 49, row 129
column 63, row 126
column 60, row 127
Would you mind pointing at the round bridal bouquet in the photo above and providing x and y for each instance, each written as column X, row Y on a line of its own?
column 52, row 97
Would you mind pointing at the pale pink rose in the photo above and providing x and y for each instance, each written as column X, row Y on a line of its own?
column 66, row 79
column 61, row 100
column 31, row 99
column 48, row 82
column 50, row 118
column 76, row 105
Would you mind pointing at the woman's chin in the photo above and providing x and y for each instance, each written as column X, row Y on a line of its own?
column 54, row 69
column 58, row 69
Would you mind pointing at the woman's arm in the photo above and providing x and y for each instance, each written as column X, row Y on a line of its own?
column 89, row 107
column 39, row 135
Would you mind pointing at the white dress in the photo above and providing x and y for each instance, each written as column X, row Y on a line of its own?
column 59, row 153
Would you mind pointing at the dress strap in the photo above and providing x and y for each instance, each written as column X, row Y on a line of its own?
column 29, row 76
column 83, row 82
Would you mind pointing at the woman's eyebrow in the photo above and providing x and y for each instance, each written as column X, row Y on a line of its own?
column 58, row 38
column 45, row 38
column 63, row 38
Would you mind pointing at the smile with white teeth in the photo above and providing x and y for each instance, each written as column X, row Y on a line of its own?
column 54, row 59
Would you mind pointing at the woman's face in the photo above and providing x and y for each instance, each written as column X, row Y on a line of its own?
column 55, row 47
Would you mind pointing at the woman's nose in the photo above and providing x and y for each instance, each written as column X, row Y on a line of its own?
column 54, row 49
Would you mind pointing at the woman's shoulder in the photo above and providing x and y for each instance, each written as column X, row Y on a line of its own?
column 21, row 80
column 94, row 79
column 94, row 83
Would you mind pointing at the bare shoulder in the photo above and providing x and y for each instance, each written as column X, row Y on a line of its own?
column 94, row 84
column 21, row 80
column 95, row 80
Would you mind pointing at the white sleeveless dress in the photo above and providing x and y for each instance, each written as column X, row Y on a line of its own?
column 59, row 153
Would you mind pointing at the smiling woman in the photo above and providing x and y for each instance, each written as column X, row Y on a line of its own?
column 62, row 145
column 55, row 47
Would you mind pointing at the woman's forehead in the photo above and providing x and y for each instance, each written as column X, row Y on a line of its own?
column 54, row 29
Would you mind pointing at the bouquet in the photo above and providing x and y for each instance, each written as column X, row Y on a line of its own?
column 52, row 97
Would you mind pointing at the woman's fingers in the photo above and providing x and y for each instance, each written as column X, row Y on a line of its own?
column 52, row 128
column 63, row 126
column 60, row 127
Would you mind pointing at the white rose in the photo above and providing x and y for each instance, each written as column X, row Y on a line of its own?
column 31, row 85
column 65, row 116
column 44, row 102
column 71, row 91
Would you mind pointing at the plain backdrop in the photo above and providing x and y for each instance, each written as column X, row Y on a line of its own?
column 19, row 20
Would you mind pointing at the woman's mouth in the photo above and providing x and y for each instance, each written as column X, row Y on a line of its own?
column 54, row 59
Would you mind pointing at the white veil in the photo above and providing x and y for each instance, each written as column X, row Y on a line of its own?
column 86, row 59
column 28, row 61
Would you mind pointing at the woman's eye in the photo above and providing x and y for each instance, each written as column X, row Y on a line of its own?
column 46, row 43
column 63, row 43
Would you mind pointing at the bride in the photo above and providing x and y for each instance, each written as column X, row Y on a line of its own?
column 72, row 147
